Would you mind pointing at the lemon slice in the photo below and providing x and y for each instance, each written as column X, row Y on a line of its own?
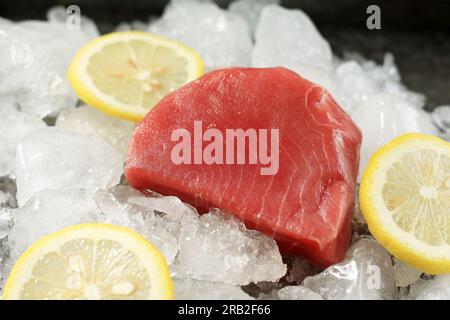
column 125, row 74
column 90, row 261
column 405, row 199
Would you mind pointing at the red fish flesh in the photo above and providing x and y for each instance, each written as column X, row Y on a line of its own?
column 305, row 204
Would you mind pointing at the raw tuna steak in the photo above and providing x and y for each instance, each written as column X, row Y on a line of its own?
column 304, row 201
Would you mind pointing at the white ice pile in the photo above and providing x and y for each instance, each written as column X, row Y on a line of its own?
column 366, row 273
column 86, row 120
column 383, row 117
column 34, row 56
column 14, row 125
column 51, row 158
column 222, row 38
column 355, row 80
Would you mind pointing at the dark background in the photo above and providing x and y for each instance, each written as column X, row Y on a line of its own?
column 416, row 32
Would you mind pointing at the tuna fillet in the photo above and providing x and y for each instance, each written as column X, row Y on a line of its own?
column 306, row 205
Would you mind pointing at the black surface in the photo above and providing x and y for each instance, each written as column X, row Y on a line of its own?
column 417, row 32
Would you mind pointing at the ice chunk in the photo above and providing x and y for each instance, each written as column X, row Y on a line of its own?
column 441, row 118
column 46, row 212
column 52, row 158
column 384, row 117
column 190, row 289
column 87, row 120
column 14, row 125
column 298, row 293
column 222, row 38
column 357, row 80
column 250, row 10
column 366, row 273
column 219, row 248
column 405, row 275
column 435, row 289
column 59, row 14
column 288, row 38
column 211, row 247
column 120, row 206
column 34, row 57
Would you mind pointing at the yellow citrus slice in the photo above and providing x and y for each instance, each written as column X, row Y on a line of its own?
column 405, row 199
column 125, row 74
column 90, row 261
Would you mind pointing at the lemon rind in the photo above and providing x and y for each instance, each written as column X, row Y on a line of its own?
column 404, row 246
column 149, row 256
column 87, row 91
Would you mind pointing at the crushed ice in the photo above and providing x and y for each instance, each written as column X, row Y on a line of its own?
column 70, row 173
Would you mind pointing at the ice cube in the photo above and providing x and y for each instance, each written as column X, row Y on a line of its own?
column 34, row 56
column 219, row 248
column 250, row 10
column 288, row 38
column 87, row 120
column 298, row 293
column 14, row 125
column 46, row 212
column 405, row 275
column 435, row 289
column 59, row 14
column 441, row 118
column 222, row 38
column 54, row 159
column 190, row 289
column 120, row 206
column 384, row 117
column 366, row 273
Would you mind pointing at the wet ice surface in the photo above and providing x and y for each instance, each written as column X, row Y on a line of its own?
column 14, row 125
column 211, row 247
column 356, row 80
column 250, row 10
column 384, row 117
column 288, row 38
column 297, row 293
column 34, row 56
column 435, row 289
column 405, row 275
column 189, row 289
column 210, row 256
column 51, row 158
column 222, row 38
column 46, row 212
column 87, row 120
column 366, row 273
